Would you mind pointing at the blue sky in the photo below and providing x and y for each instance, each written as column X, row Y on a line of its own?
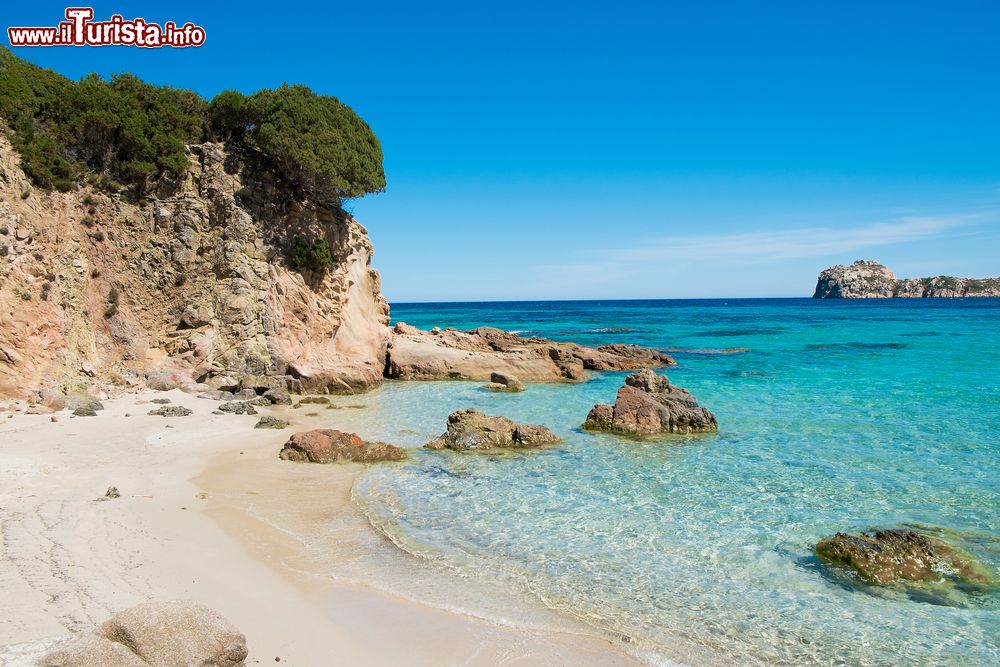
column 626, row 149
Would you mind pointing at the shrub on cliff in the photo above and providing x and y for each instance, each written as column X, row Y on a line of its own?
column 128, row 131
column 317, row 142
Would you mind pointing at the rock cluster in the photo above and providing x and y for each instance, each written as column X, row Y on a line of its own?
column 647, row 404
column 450, row 354
column 867, row 279
column 330, row 446
column 894, row 554
column 471, row 430
column 155, row 634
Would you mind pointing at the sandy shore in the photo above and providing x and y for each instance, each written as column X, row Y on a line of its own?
column 208, row 512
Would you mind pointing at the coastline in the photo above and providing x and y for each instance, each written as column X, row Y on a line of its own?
column 209, row 513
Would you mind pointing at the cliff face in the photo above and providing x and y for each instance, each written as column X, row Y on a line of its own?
column 866, row 279
column 191, row 284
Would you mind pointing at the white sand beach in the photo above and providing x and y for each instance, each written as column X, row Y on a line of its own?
column 209, row 513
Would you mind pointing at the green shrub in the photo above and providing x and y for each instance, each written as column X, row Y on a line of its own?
column 123, row 131
column 313, row 256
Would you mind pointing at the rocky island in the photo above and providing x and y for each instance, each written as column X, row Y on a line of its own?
column 868, row 279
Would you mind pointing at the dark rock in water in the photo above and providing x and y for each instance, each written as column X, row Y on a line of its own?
column 271, row 422
column 278, row 396
column 504, row 382
column 330, row 446
column 314, row 400
column 648, row 404
column 171, row 411
column 471, row 430
column 84, row 412
column 894, row 554
column 238, row 408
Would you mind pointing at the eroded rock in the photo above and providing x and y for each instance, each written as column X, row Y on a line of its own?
column 647, row 404
column 171, row 411
column 331, row 446
column 471, row 430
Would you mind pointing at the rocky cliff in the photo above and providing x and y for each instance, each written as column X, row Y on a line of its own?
column 867, row 279
column 192, row 283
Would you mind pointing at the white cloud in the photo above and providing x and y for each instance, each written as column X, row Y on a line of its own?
column 794, row 243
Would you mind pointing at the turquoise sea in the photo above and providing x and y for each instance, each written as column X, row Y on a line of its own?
column 834, row 416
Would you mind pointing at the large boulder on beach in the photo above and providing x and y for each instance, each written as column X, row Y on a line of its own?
column 176, row 632
column 471, row 430
column 331, row 446
column 901, row 554
column 647, row 404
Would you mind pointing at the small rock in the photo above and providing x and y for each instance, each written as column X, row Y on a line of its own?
column 110, row 494
column 171, row 411
column 504, row 382
column 314, row 400
column 84, row 412
column 238, row 408
column 278, row 396
column 161, row 401
column 271, row 422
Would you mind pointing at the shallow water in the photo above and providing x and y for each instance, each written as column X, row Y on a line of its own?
column 836, row 416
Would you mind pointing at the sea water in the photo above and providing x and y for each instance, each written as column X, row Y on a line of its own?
column 833, row 416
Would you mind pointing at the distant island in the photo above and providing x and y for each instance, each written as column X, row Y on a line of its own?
column 868, row 279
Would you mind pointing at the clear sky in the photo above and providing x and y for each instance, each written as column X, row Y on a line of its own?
column 629, row 149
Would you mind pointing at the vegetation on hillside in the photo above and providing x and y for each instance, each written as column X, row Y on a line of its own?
column 126, row 131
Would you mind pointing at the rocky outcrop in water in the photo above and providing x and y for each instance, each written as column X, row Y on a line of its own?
column 330, row 446
column 647, row 404
column 471, row 430
column 192, row 283
column 893, row 554
column 156, row 634
column 450, row 354
column 867, row 279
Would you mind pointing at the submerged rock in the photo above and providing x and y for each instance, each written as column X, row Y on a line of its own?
column 894, row 554
column 470, row 430
column 331, row 446
column 647, row 404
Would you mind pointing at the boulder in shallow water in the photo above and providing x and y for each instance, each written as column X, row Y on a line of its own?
column 471, row 430
column 504, row 382
column 647, row 404
column 900, row 554
column 330, row 446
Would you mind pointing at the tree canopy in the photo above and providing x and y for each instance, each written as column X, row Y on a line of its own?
column 132, row 132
